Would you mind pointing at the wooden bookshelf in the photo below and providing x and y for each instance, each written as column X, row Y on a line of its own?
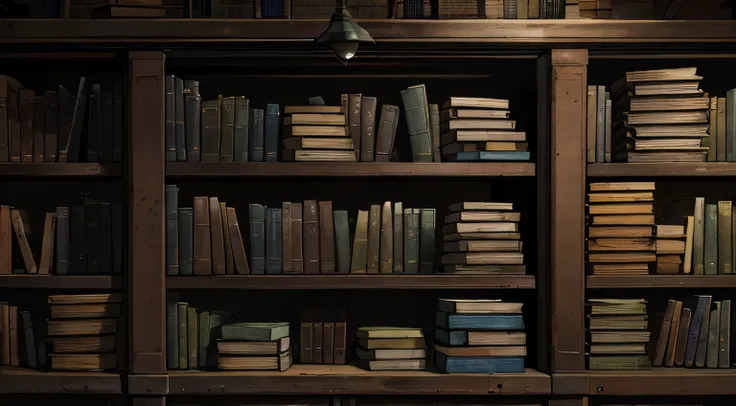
column 661, row 281
column 70, row 170
column 60, row 282
column 27, row 381
column 337, row 170
column 656, row 382
column 662, row 169
column 388, row 281
column 350, row 380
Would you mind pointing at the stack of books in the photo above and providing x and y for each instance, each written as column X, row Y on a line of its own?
column 482, row 237
column 82, row 330
column 254, row 347
column 695, row 333
column 391, row 348
column 663, row 116
column 22, row 344
column 618, row 334
column 317, row 134
column 671, row 247
column 480, row 336
column 621, row 228
column 479, row 129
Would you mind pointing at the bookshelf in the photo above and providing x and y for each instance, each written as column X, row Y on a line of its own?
column 58, row 170
column 61, row 282
column 25, row 381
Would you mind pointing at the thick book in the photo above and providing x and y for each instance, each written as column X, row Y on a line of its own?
column 342, row 241
column 374, row 239
column 386, row 132
column 359, row 261
column 257, row 238
column 255, row 331
column 179, row 126
column 273, row 241
column 62, row 239
column 227, row 129
column 210, row 131
column 256, row 136
column 172, row 229
column 367, row 131
column 326, row 238
column 170, row 108
column 271, row 132
column 387, row 240
column 242, row 121
column 202, row 253
column 411, row 240
column 217, row 239
column 172, row 330
column 426, row 241
column 311, row 235
column 238, row 247
column 398, row 230
column 416, row 111
column 297, row 251
column 192, row 115
column 484, row 365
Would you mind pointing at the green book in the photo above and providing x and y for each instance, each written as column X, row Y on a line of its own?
column 255, row 331
column 710, row 240
column 172, row 328
column 217, row 319
column 398, row 225
column 416, row 111
column 426, row 241
column 411, row 240
column 182, row 332
column 731, row 125
column 193, row 337
column 724, row 336
column 204, row 338
column 714, row 328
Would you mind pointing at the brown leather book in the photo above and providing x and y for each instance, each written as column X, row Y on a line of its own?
column 367, row 129
column 26, row 125
column 664, row 333
column 39, row 109
column 297, row 253
column 386, row 133
column 229, row 260
column 326, row 238
column 286, row 250
column 19, row 225
column 305, row 349
column 47, row 245
column 344, row 108
column 669, row 358
column 317, row 343
column 354, row 108
column 218, row 242
column 6, row 241
column 9, row 87
column 340, row 343
column 51, row 126
column 202, row 253
column 434, row 131
column 387, row 239
column 682, row 337
column 4, row 334
column 13, row 336
column 14, row 123
column 374, row 238
column 236, row 239
column 328, row 342
column 311, row 237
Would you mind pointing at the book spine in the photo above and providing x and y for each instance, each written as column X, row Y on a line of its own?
column 305, row 353
column 417, row 122
column 721, row 128
column 591, row 123
column 193, row 107
column 340, row 343
column 317, row 343
column 411, row 240
column 326, row 238
column 328, row 343
column 93, row 124
column 367, row 129
column 426, row 241
column 62, row 240
column 710, row 242
column 434, row 121
column 600, row 124
column 725, row 263
column 273, row 123
column 179, row 127
column 77, row 239
column 169, row 129
column 702, row 307
column 210, row 143
column 273, row 241
column 699, row 236
column 257, row 238
column 242, row 119
column 297, row 252
column 608, row 128
column 374, row 239
column 387, row 240
column 256, row 135
column 731, row 125
column 724, row 336
column 711, row 356
column 203, row 342
column 172, row 230
column 311, row 236
column 202, row 252
column 398, row 225
column 354, row 116
column 192, row 336
column 51, row 128
column 386, row 132
column 286, row 250
column 186, row 240
column 183, row 334
column 172, row 331
column 360, row 244
column 227, row 128
column 342, row 241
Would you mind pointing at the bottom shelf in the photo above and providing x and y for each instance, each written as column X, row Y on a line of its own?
column 22, row 380
column 350, row 380
column 657, row 382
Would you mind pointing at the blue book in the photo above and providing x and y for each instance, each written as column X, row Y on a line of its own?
column 273, row 123
column 468, row 156
column 449, row 321
column 256, row 135
column 479, row 365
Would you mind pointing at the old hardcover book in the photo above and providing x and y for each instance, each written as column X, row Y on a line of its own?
column 434, row 121
column 62, row 239
column 9, row 87
column 328, row 342
column 26, row 125
column 92, row 234
column 203, row 339
column 354, row 124
column 317, row 348
column 416, row 111
column 216, row 238
column 340, row 343
column 297, row 253
column 342, row 241
column 326, row 238
column 724, row 334
column 236, row 238
column 257, row 238
column 725, row 260
column 78, row 240
column 179, row 126
column 398, row 238
column 714, row 329
column 202, row 251
column 117, row 122
column 227, row 129
column 50, row 127
column 257, row 135
column 170, row 126
column 186, row 240
column 242, row 121
column 386, row 133
column 271, row 132
column 305, row 349
column 13, row 122
column 93, row 124
column 183, row 333
column 367, row 132
column 311, row 236
column 698, row 237
column 11, row 326
column 192, row 337
column 669, row 358
column 47, row 246
column 411, row 240
column 721, row 130
column 229, row 261
column 688, row 261
column 374, row 239
column 426, row 241
column 172, row 229
column 192, row 123
column 273, row 241
column 360, row 244
column 106, row 128
column 19, row 226
column 210, row 133
column 286, row 250
column 387, row 240
column 682, row 337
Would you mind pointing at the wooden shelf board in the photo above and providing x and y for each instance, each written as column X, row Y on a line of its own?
column 21, row 380
column 661, row 281
column 349, row 380
column 60, row 170
column 58, row 282
column 305, row 282
column 657, row 382
column 662, row 169
column 212, row 31
column 358, row 169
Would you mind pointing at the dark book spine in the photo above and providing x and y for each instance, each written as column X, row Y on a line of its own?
column 695, row 324
column 411, row 240
column 273, row 241
column 117, row 123
column 398, row 237
column 70, row 151
column 13, row 145
column 170, row 128
column 179, row 129
column 257, row 238
column 310, row 235
column 367, row 133
column 106, row 128
column 51, row 126
column 93, row 124
column 305, row 350
column 242, row 119
column 192, row 107
column 273, row 123
column 426, row 241
column 26, row 125
column 210, row 131
column 434, row 122
column 172, row 230
column 386, row 132
column 105, row 237
column 326, row 238
column 342, row 241
column 256, row 135
column 172, row 330
column 724, row 334
column 316, row 343
column 78, row 241
column 38, row 129
column 62, row 240
column 117, row 238
column 30, row 340
column 374, row 239
column 227, row 128
column 92, row 220
column 186, row 240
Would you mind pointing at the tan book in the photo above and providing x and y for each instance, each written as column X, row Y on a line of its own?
column 313, row 155
column 670, row 247
column 461, row 269
column 476, row 306
column 667, row 231
column 229, row 259
column 669, row 358
column 360, row 244
column 312, row 109
column 314, row 119
column 623, row 322
column 216, row 237
column 83, row 362
column 620, row 197
column 481, row 236
column 19, row 227
column 488, row 206
column 614, row 337
column 483, row 258
column 483, row 245
column 668, row 103
column 506, row 146
column 621, row 244
column 620, row 269
column 94, row 298
column 280, row 362
column 622, row 257
column 6, row 241
column 85, row 311
column 274, row 347
column 45, row 264
column 92, row 327
column 391, row 343
column 476, row 351
column 477, row 124
column 236, row 239
column 476, row 103
column 488, row 227
column 630, row 219
column 477, row 215
column 202, row 254
column 663, row 75
column 455, row 113
column 297, row 143
column 621, row 186
column 620, row 232
column 622, row 208
column 314, row 131
column 397, row 365
column 481, row 136
column 389, row 332
column 98, row 344
column 626, row 348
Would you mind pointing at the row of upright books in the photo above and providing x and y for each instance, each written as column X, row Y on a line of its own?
column 76, row 240
column 55, row 125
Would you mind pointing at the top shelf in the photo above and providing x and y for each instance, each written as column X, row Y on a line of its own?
column 544, row 33
column 618, row 170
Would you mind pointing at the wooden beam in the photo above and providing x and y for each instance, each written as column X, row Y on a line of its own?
column 544, row 169
column 146, row 256
column 569, row 81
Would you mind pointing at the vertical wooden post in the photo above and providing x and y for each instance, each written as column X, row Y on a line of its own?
column 146, row 256
column 543, row 212
column 569, row 84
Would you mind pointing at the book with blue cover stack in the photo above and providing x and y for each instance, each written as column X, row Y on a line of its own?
column 480, row 129
column 479, row 336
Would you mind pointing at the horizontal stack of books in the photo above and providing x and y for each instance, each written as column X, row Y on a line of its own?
column 391, row 348
column 695, row 333
column 618, row 334
column 482, row 237
column 479, row 129
column 671, row 247
column 480, row 336
column 82, row 330
column 254, row 347
column 621, row 228
column 317, row 133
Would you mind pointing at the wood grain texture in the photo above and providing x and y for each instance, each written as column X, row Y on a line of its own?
column 657, row 382
column 60, row 282
column 146, row 256
column 47, row 170
column 387, row 281
column 21, row 380
column 349, row 380
column 569, row 81
column 662, row 169
column 660, row 281
column 544, row 193
column 362, row 169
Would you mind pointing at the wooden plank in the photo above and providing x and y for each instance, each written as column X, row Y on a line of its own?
column 59, row 170
column 660, row 281
column 358, row 169
column 149, row 400
column 545, row 32
column 544, row 194
column 349, row 380
column 146, row 257
column 60, row 282
column 662, row 169
column 578, row 401
column 29, row 381
column 569, row 80
column 307, row 282
column 663, row 381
